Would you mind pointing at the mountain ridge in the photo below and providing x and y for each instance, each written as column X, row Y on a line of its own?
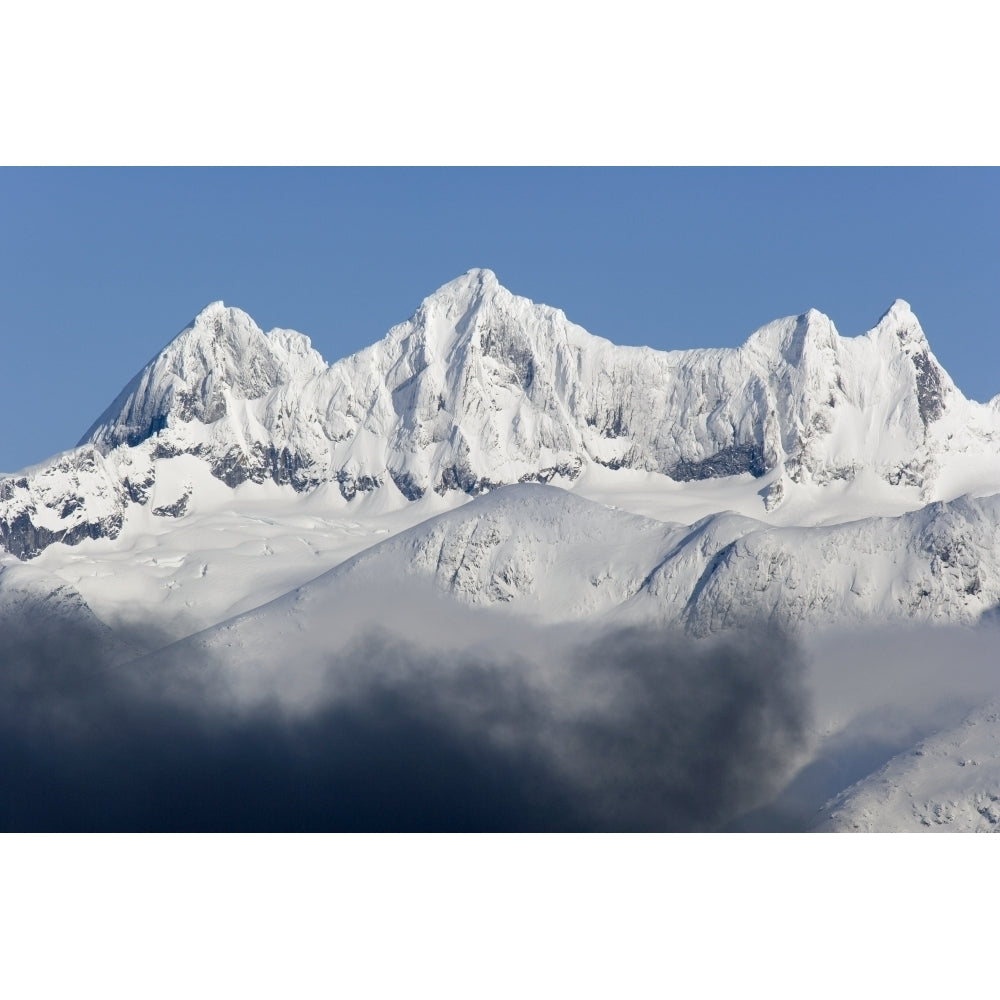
column 482, row 388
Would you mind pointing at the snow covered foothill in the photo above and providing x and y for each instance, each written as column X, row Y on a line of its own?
column 29, row 594
column 526, row 554
column 948, row 782
column 537, row 555
column 891, row 709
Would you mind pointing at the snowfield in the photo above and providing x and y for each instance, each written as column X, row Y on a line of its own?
column 491, row 475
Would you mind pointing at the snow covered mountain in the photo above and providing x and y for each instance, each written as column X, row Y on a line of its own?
column 490, row 462
column 482, row 388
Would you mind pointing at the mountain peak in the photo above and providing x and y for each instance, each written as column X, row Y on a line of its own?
column 899, row 311
column 790, row 337
column 482, row 274
column 211, row 318
column 467, row 290
column 211, row 309
column 219, row 356
column 217, row 317
column 449, row 315
column 482, row 277
column 899, row 321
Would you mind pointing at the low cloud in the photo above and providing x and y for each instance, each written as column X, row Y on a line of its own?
column 876, row 693
column 634, row 729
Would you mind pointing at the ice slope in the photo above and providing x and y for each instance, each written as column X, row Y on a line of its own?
column 235, row 548
column 482, row 387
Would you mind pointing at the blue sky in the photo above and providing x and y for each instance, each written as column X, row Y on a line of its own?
column 99, row 268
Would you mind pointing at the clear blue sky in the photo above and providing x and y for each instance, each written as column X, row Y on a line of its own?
column 99, row 268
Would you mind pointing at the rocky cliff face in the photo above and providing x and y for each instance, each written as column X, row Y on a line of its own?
column 482, row 388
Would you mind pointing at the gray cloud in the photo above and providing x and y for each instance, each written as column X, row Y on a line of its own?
column 630, row 730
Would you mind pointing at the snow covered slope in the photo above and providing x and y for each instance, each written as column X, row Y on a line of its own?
column 537, row 554
column 30, row 596
column 482, row 388
column 543, row 553
column 535, row 551
column 949, row 782
column 938, row 564
column 45, row 619
column 233, row 549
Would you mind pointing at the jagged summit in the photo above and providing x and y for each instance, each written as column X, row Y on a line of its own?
column 221, row 356
column 899, row 325
column 482, row 387
column 462, row 309
column 899, row 314
column 476, row 286
column 477, row 281
column 457, row 299
column 210, row 311
column 786, row 339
